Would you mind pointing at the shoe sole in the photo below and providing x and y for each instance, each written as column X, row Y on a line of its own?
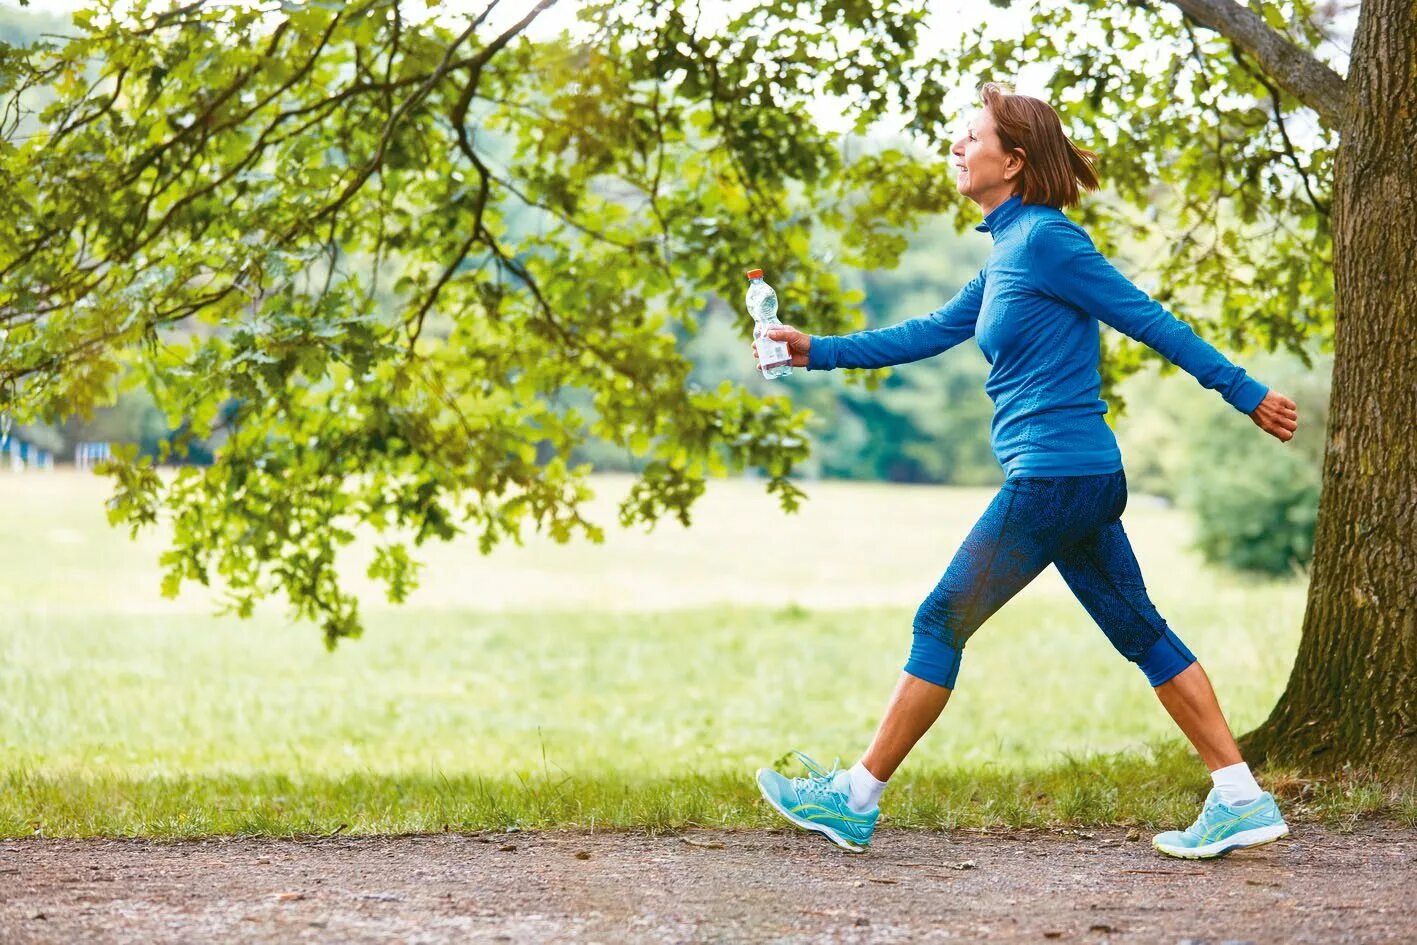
column 805, row 824
column 1257, row 837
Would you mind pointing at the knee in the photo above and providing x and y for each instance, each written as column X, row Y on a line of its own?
column 1164, row 659
column 945, row 614
column 931, row 612
column 932, row 659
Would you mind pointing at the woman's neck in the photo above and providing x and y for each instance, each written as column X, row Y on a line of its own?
column 989, row 204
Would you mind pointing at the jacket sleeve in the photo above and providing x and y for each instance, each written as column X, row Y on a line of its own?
column 907, row 341
column 1068, row 267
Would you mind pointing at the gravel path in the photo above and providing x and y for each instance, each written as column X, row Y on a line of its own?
column 1104, row 885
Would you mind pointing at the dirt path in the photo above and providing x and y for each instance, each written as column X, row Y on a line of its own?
column 707, row 886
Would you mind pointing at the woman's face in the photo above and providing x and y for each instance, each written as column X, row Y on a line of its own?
column 986, row 174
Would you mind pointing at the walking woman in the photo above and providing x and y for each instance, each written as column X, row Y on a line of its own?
column 1034, row 309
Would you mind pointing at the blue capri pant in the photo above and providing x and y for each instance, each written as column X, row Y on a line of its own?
column 1073, row 522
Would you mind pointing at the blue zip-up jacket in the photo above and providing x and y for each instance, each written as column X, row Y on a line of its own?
column 1034, row 310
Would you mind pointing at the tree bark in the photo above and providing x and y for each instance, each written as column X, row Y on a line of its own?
column 1351, row 700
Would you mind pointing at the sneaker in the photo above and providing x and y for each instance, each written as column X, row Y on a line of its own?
column 820, row 802
column 1221, row 828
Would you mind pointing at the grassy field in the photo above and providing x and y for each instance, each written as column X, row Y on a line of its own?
column 635, row 683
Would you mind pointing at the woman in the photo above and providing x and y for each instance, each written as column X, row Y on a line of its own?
column 1034, row 309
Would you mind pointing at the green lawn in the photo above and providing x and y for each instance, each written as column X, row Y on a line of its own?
column 635, row 683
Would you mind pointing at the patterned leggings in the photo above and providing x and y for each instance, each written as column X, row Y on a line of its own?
column 1075, row 523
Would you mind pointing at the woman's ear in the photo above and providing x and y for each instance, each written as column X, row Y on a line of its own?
column 1018, row 157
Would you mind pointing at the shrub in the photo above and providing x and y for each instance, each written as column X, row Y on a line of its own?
column 1256, row 499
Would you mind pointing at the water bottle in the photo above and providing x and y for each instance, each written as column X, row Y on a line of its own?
column 773, row 356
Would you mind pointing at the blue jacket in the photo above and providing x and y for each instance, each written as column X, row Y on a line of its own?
column 1034, row 310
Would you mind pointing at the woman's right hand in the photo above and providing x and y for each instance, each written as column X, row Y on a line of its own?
column 1277, row 415
column 798, row 344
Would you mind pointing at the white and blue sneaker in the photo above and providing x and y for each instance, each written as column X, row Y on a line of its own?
column 820, row 802
column 1222, row 827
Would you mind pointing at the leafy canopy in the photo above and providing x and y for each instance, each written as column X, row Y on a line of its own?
column 371, row 248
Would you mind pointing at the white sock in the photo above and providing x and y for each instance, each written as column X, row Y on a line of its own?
column 1236, row 784
column 865, row 789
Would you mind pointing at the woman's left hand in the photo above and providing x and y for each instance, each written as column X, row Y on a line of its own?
column 1277, row 415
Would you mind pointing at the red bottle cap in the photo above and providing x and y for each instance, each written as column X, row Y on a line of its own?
column 755, row 273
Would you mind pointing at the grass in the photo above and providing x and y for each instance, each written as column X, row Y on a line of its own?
column 1147, row 790
column 604, row 687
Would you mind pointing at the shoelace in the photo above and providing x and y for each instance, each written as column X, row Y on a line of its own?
column 814, row 767
column 818, row 784
column 1204, row 820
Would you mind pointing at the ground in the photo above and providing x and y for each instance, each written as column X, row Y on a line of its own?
column 1095, row 885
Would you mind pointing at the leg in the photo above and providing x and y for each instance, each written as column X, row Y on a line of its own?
column 1192, row 704
column 1103, row 573
column 914, row 707
column 1006, row 549
column 1237, row 813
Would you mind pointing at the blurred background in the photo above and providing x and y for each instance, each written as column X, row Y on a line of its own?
column 709, row 649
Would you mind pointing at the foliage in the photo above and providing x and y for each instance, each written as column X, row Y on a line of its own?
column 211, row 198
column 382, row 255
column 1256, row 508
column 1257, row 524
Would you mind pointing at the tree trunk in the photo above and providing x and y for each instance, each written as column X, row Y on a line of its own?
column 1352, row 695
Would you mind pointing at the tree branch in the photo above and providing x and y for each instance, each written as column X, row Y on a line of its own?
column 1322, row 206
column 1293, row 69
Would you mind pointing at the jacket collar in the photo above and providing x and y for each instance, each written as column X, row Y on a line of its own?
column 998, row 219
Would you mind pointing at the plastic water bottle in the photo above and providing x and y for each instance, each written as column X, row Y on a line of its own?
column 773, row 356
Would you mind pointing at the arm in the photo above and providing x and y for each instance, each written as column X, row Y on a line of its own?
column 908, row 341
column 1069, row 268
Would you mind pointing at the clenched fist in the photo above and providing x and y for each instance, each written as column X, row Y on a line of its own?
column 798, row 344
column 1277, row 415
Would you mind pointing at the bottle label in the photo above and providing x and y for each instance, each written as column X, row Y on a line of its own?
column 770, row 352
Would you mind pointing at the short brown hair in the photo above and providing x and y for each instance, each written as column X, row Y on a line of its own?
column 1053, row 166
